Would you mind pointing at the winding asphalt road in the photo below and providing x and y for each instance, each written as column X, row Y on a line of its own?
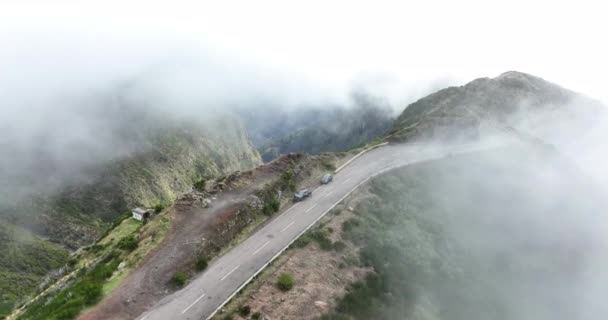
column 229, row 273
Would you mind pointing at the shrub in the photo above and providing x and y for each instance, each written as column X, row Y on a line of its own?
column 200, row 185
column 201, row 264
column 328, row 164
column 339, row 246
column 103, row 271
column 302, row 241
column 288, row 181
column 91, row 292
column 275, row 204
column 73, row 262
column 271, row 206
column 158, row 208
column 321, row 238
column 349, row 224
column 244, row 310
column 256, row 316
column 179, row 278
column 285, row 282
column 128, row 243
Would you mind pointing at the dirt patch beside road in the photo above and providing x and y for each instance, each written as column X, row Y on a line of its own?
column 201, row 228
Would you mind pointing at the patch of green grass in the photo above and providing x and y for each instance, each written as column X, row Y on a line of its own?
column 85, row 292
column 285, row 281
column 116, row 280
column 125, row 228
column 179, row 279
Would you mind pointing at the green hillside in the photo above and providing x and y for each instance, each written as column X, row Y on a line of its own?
column 165, row 156
column 491, row 235
column 24, row 261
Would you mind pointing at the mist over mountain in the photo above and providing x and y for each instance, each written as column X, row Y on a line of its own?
column 111, row 105
column 87, row 160
column 316, row 129
column 74, row 163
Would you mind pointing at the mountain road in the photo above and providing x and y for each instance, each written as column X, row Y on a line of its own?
column 207, row 293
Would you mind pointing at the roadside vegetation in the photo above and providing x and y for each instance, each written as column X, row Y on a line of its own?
column 100, row 268
column 200, row 185
column 440, row 236
column 85, row 291
column 285, row 281
column 179, row 279
column 24, row 263
column 433, row 241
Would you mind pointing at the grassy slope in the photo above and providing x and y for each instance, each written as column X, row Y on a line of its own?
column 90, row 286
column 24, row 261
column 471, row 237
column 173, row 157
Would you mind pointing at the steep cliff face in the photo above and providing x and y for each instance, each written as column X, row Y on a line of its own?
column 170, row 155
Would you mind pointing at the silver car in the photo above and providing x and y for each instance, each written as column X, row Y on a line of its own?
column 327, row 178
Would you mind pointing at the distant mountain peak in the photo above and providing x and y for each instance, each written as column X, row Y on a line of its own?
column 515, row 75
column 505, row 98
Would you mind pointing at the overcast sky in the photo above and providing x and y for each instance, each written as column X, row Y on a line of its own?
column 321, row 47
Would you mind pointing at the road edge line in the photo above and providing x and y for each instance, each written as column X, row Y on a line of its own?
column 359, row 154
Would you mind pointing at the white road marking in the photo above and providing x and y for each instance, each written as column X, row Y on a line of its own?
column 231, row 271
column 190, row 306
column 327, row 195
column 295, row 205
column 316, row 189
column 289, row 225
column 260, row 248
column 314, row 205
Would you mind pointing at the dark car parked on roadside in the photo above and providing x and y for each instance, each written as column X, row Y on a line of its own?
column 301, row 195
